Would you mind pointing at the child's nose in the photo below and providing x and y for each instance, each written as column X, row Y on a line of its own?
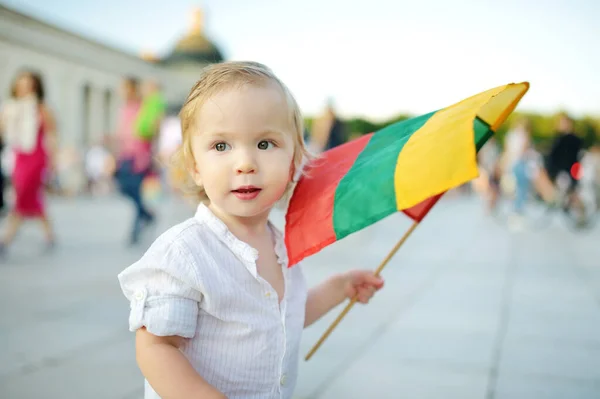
column 244, row 169
column 246, row 165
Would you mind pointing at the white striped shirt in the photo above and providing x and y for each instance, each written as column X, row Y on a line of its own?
column 199, row 281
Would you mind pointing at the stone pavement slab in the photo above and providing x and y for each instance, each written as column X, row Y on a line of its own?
column 470, row 310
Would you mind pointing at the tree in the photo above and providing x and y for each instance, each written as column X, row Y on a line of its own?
column 543, row 127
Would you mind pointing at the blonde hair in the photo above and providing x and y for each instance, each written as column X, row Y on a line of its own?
column 216, row 78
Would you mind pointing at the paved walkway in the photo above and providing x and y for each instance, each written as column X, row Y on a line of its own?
column 470, row 310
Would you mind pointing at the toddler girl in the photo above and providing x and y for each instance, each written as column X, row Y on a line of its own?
column 216, row 310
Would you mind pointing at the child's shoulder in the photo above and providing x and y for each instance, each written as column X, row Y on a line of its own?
column 187, row 238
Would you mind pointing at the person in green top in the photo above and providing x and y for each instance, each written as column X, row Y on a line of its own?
column 151, row 111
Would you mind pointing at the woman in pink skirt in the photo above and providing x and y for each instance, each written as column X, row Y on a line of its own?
column 29, row 130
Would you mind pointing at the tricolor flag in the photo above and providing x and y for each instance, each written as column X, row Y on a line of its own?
column 406, row 166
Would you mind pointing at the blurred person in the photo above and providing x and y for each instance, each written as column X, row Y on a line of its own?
column 30, row 131
column 328, row 131
column 168, row 142
column 589, row 178
column 148, row 124
column 2, row 179
column 517, row 146
column 97, row 167
column 71, row 169
column 169, row 134
column 565, row 151
column 595, row 156
column 152, row 110
column 134, row 157
column 217, row 312
column 3, row 147
column 489, row 159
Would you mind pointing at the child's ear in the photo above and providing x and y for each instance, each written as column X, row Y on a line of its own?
column 296, row 172
column 193, row 170
column 197, row 178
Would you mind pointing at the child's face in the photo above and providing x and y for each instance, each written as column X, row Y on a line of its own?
column 243, row 149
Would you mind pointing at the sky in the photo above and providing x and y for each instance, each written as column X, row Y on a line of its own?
column 373, row 58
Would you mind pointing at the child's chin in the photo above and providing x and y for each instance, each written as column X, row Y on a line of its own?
column 251, row 209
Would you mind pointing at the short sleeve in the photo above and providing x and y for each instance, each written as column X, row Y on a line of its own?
column 162, row 290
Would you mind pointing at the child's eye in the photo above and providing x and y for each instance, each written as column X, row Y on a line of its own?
column 221, row 147
column 264, row 145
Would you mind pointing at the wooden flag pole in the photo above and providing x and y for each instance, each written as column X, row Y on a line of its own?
column 353, row 300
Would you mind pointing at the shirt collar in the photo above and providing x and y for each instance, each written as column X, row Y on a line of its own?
column 246, row 253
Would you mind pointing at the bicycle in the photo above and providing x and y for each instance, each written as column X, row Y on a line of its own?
column 538, row 213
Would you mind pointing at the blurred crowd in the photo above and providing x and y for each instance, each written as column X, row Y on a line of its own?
column 565, row 176
column 133, row 160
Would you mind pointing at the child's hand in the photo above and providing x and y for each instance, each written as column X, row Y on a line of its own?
column 363, row 283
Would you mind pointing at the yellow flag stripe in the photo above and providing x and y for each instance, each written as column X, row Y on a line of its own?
column 441, row 155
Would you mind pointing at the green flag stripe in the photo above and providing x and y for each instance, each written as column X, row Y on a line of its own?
column 482, row 133
column 366, row 193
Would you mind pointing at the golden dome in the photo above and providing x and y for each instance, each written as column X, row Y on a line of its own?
column 195, row 46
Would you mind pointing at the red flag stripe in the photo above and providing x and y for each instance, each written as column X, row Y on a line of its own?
column 298, row 221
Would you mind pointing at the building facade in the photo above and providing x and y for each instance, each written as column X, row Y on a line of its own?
column 83, row 77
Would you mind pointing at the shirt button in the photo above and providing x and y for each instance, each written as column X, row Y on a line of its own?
column 139, row 295
column 283, row 379
column 268, row 294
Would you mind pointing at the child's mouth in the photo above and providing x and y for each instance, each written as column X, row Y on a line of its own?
column 246, row 192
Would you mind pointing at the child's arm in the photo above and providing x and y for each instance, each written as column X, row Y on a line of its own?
column 333, row 291
column 164, row 293
column 167, row 370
